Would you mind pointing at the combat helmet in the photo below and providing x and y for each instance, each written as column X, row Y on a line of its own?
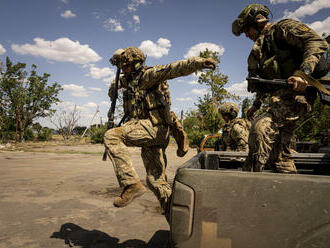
column 230, row 109
column 251, row 15
column 128, row 56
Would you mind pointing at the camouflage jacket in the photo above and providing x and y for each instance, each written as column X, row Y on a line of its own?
column 283, row 48
column 235, row 135
column 146, row 93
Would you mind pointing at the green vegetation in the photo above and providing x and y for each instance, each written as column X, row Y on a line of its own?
column 97, row 134
column 24, row 97
column 206, row 119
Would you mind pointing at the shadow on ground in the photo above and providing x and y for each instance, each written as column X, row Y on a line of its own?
column 74, row 235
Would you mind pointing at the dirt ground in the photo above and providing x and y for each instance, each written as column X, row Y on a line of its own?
column 46, row 188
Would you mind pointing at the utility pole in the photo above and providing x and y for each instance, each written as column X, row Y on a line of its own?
column 96, row 112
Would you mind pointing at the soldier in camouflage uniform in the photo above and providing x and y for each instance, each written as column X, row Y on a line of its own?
column 289, row 50
column 147, row 104
column 235, row 132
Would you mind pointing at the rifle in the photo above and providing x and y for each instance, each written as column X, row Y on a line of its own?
column 111, row 112
column 322, row 86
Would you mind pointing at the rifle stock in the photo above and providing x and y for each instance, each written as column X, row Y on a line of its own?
column 111, row 112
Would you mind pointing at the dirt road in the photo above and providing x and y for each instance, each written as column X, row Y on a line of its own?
column 42, row 191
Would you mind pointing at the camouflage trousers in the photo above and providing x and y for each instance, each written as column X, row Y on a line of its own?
column 153, row 140
column 270, row 145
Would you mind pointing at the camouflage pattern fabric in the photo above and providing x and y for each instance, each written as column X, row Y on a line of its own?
column 152, row 139
column 235, row 135
column 270, row 144
column 279, row 51
column 146, row 126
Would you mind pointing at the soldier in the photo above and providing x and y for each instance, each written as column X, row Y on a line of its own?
column 235, row 132
column 289, row 50
column 147, row 104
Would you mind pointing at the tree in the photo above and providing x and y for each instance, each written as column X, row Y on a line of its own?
column 37, row 127
column 26, row 96
column 246, row 104
column 314, row 124
column 65, row 122
column 206, row 119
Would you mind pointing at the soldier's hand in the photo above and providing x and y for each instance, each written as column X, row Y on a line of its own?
column 111, row 92
column 299, row 84
column 250, row 113
column 209, row 63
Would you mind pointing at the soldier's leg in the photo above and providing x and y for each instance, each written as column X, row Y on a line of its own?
column 262, row 136
column 119, row 156
column 155, row 164
column 284, row 163
column 126, row 175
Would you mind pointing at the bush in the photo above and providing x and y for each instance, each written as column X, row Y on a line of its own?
column 195, row 137
column 45, row 134
column 6, row 136
column 28, row 135
column 97, row 134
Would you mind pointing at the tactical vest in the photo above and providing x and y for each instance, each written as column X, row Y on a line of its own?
column 153, row 103
column 278, row 60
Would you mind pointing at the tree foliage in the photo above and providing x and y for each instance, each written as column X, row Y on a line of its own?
column 206, row 119
column 25, row 96
column 314, row 124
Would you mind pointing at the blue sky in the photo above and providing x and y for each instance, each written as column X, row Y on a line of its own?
column 74, row 39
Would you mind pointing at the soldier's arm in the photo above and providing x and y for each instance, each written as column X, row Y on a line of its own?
column 111, row 91
column 307, row 41
column 160, row 73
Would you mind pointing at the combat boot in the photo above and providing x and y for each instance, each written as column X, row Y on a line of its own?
column 129, row 193
column 286, row 166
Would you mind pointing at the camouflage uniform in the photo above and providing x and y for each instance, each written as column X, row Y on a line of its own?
column 235, row 135
column 146, row 101
column 280, row 50
column 235, row 132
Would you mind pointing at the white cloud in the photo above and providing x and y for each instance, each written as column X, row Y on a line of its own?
column 134, row 4
column 136, row 19
column 137, row 22
column 196, row 49
column 183, row 99
column 284, row 1
column 108, row 80
column 199, row 91
column 239, row 89
column 104, row 103
column 67, row 105
column 64, row 1
column 192, row 82
column 95, row 89
column 2, row 49
column 90, row 105
column 98, row 73
column 76, row 90
column 68, row 14
column 156, row 50
column 310, row 8
column 321, row 26
column 62, row 49
column 113, row 25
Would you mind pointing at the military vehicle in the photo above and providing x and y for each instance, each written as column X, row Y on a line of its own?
column 215, row 205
